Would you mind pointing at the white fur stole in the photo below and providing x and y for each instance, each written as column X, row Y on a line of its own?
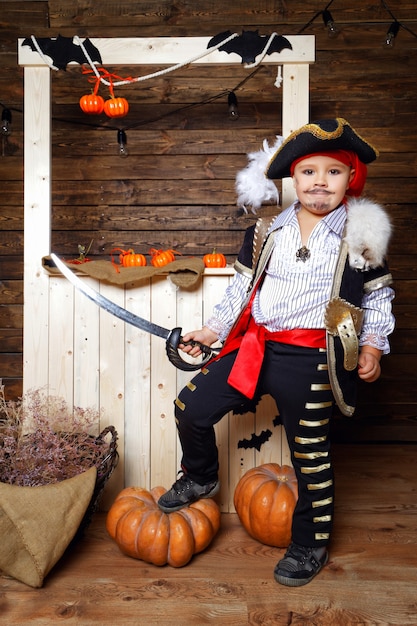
column 368, row 231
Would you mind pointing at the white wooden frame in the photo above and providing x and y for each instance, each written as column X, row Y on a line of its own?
column 67, row 339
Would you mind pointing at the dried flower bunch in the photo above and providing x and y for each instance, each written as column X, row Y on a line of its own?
column 43, row 441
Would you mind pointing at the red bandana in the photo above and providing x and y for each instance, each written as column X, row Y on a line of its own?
column 348, row 158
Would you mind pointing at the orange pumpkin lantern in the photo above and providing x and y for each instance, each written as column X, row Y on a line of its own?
column 265, row 499
column 159, row 258
column 214, row 259
column 142, row 531
column 116, row 107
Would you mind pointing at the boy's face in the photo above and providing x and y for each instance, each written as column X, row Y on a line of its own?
column 320, row 183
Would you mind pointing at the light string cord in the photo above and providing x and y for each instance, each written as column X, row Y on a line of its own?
column 313, row 19
column 409, row 30
column 222, row 94
column 384, row 5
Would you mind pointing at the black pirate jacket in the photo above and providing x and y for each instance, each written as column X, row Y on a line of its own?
column 361, row 269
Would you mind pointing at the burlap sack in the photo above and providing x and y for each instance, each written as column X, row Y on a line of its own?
column 38, row 523
column 185, row 272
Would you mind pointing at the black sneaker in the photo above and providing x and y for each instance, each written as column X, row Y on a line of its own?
column 300, row 565
column 185, row 491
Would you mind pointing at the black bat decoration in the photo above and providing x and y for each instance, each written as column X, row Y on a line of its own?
column 62, row 50
column 249, row 44
column 277, row 421
column 255, row 441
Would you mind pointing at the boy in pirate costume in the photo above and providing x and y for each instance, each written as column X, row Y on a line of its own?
column 307, row 313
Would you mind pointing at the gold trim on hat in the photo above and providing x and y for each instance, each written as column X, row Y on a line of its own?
column 326, row 135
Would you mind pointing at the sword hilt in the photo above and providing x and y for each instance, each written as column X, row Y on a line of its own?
column 172, row 343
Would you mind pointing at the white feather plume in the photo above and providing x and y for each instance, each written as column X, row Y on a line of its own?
column 252, row 186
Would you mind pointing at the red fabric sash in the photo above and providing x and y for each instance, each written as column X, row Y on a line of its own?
column 250, row 338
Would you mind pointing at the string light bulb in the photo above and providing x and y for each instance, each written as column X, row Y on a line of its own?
column 233, row 106
column 122, row 141
column 6, row 122
column 332, row 30
column 392, row 32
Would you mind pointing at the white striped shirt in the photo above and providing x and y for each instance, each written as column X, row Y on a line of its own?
column 294, row 293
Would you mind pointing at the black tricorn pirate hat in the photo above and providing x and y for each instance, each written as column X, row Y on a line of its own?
column 321, row 135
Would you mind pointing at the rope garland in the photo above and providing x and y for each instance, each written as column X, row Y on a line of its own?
column 166, row 70
column 154, row 74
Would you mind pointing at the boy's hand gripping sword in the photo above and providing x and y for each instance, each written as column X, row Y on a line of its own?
column 172, row 337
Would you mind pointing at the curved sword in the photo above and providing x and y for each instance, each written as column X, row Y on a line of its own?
column 172, row 337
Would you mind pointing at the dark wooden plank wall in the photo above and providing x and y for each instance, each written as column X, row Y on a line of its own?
column 176, row 188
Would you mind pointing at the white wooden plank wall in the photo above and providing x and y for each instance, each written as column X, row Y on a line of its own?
column 95, row 360
column 91, row 359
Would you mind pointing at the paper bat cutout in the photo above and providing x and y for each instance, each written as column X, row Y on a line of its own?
column 249, row 44
column 255, row 441
column 277, row 421
column 62, row 50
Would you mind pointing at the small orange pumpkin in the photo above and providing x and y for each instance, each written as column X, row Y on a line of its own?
column 116, row 107
column 159, row 258
column 129, row 258
column 92, row 104
column 142, row 531
column 265, row 499
column 214, row 259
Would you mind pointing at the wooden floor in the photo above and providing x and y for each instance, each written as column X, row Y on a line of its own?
column 371, row 577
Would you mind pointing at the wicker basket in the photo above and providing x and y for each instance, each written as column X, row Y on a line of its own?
column 105, row 467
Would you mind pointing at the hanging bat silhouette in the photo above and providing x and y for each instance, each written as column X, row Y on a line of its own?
column 62, row 50
column 249, row 44
column 255, row 441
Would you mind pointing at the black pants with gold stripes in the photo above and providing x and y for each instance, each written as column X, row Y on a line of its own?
column 297, row 378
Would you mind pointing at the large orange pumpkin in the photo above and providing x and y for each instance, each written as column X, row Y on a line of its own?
column 264, row 499
column 143, row 531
